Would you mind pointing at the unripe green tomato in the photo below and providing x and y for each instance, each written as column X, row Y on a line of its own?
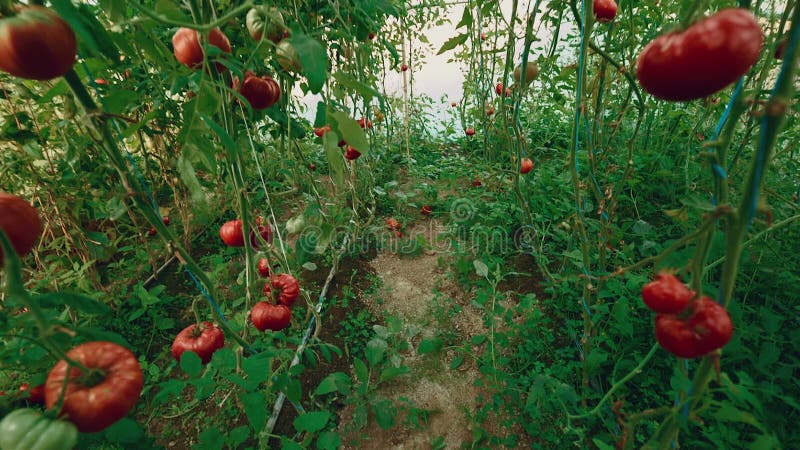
column 287, row 57
column 28, row 429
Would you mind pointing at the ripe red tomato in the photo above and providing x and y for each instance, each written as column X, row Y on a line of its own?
column 260, row 92
column 265, row 231
column 666, row 294
column 232, row 234
column 499, row 88
column 404, row 67
column 426, row 210
column 266, row 316
column 312, row 167
column 476, row 183
column 35, row 394
column 393, row 224
column 526, row 166
column 371, row 36
column 289, row 287
column 453, row 104
column 483, row 36
column 94, row 405
column 36, row 44
column 364, row 122
column 21, row 223
column 707, row 328
column 604, row 10
column 470, row 131
column 322, row 130
column 187, row 49
column 703, row 59
column 263, row 267
column 351, row 154
column 342, row 143
column 203, row 340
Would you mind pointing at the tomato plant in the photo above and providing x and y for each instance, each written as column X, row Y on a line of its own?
column 699, row 61
column 94, row 401
column 203, row 339
column 232, row 233
column 28, row 429
column 706, row 328
column 604, row 10
column 666, row 294
column 36, row 44
column 187, row 49
column 20, row 221
column 266, row 316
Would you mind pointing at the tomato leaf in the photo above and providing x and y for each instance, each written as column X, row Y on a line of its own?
column 191, row 364
column 466, row 19
column 376, row 348
column 313, row 58
column 91, row 34
column 80, row 302
column 311, row 422
column 126, row 431
column 429, row 346
column 254, row 409
column 481, row 268
column 189, row 178
column 385, row 413
column 210, row 439
column 335, row 160
column 390, row 373
column 351, row 131
column 456, row 362
column 335, row 382
column 453, row 43
column 361, row 370
column 329, row 440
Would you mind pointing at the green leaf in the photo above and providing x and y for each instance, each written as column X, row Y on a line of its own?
column 257, row 368
column 481, row 268
column 125, row 431
column 80, row 302
column 360, row 416
column 335, row 160
column 170, row 9
column 466, row 19
column 427, row 346
column 191, row 364
column 376, row 348
column 255, row 407
column 390, row 373
column 351, row 132
column 361, row 370
column 92, row 35
column 189, row 178
column 456, row 362
column 335, row 382
column 312, row 422
column 210, row 439
column 288, row 444
column 453, row 42
column 329, row 440
column 313, row 58
column 602, row 445
column 385, row 413
column 120, row 101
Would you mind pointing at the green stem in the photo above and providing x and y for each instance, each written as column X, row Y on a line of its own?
column 179, row 23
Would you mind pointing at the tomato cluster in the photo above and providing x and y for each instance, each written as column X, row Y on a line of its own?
column 685, row 326
column 269, row 316
column 232, row 234
column 187, row 49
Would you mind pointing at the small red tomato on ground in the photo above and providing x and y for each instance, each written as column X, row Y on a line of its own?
column 404, row 67
column 289, row 288
column 263, row 267
column 96, row 403
column 476, row 182
column 351, row 154
column 20, row 221
column 470, row 131
column 312, row 167
column 232, row 234
column 187, row 49
column 605, row 10
column 526, row 165
column 426, row 210
column 266, row 316
column 260, row 92
column 666, row 294
column 392, row 223
column 36, row 44
column 499, row 88
column 703, row 59
column 265, row 231
column 707, row 328
column 202, row 339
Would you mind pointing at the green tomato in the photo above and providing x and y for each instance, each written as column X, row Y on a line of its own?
column 28, row 429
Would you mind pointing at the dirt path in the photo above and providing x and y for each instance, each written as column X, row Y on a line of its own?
column 416, row 290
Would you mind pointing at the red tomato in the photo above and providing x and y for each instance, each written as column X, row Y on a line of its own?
column 703, row 59
column 470, row 131
column 490, row 110
column 203, row 340
column 605, row 10
column 499, row 88
column 165, row 220
column 289, row 288
column 666, row 294
column 266, row 316
column 476, row 182
column 483, row 36
column 263, row 267
column 404, row 67
column 322, row 130
column 371, row 36
column 398, row 233
column 187, row 49
column 392, row 223
column 21, row 223
column 351, row 154
column 36, row 44
column 261, row 93
column 35, row 395
column 100, row 81
column 312, row 167
column 151, row 232
column 364, row 122
column 707, row 328
column 94, row 405
column 426, row 210
column 264, row 231
column 526, row 166
column 342, row 143
column 453, row 104
column 232, row 234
